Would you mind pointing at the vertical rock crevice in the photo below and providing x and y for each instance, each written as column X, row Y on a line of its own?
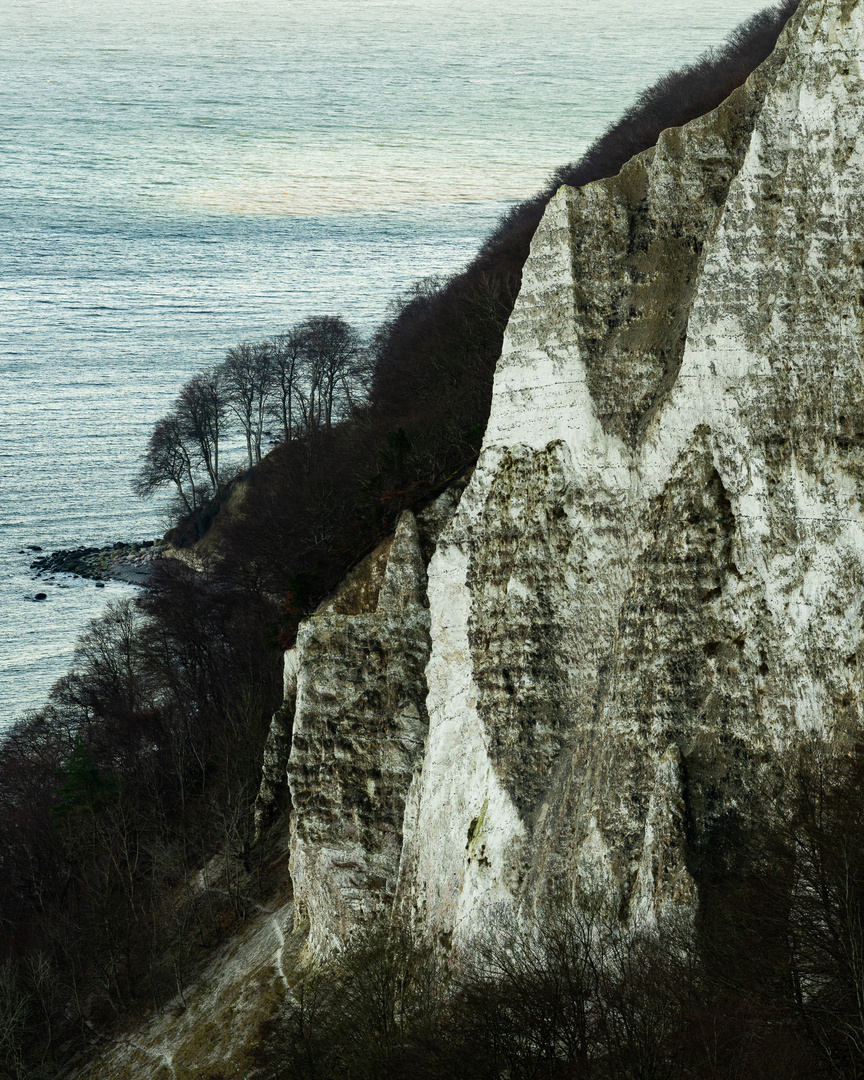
column 274, row 796
column 637, row 241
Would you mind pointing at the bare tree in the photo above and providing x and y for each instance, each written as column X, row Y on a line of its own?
column 201, row 407
column 822, row 843
column 247, row 376
column 14, row 1009
column 288, row 363
column 336, row 366
column 170, row 458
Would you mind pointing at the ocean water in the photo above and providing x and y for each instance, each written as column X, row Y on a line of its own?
column 179, row 176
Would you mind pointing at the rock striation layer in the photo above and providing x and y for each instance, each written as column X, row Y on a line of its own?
column 654, row 581
column 352, row 731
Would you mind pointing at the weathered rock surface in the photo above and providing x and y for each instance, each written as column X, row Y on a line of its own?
column 356, row 678
column 654, row 581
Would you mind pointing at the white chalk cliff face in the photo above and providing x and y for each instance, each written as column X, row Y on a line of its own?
column 654, row 581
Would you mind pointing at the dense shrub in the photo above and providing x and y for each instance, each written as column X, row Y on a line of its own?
column 142, row 767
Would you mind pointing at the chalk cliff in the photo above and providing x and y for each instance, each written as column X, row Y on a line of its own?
column 654, row 580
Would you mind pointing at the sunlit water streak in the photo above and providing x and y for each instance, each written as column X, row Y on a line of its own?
column 177, row 177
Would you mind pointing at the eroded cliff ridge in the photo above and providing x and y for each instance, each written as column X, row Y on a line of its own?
column 653, row 582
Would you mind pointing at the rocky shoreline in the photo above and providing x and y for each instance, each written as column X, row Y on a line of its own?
column 132, row 562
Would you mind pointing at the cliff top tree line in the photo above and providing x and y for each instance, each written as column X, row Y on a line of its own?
column 144, row 764
column 304, row 380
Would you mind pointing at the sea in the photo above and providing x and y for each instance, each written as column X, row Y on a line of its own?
column 177, row 176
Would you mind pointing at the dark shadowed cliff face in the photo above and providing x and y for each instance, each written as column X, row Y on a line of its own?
column 654, row 581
